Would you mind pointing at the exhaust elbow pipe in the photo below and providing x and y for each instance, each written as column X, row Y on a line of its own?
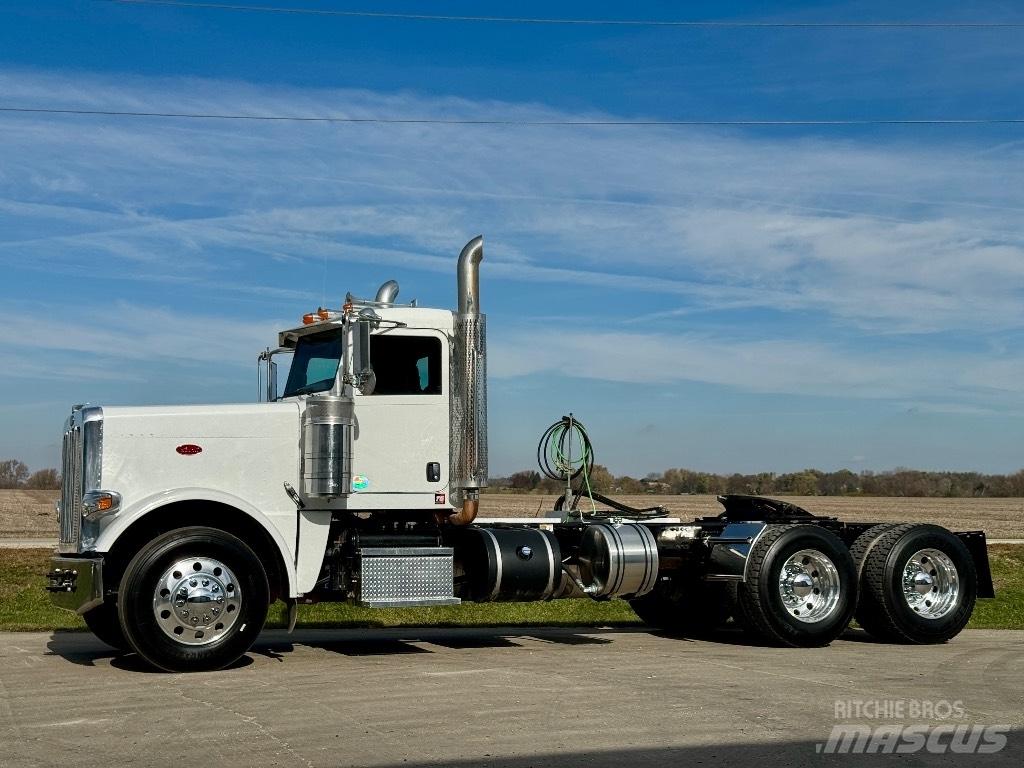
column 469, row 276
column 387, row 293
column 466, row 515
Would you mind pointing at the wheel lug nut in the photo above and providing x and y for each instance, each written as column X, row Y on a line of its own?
column 184, row 612
column 206, row 582
column 193, row 583
column 195, row 619
column 215, row 611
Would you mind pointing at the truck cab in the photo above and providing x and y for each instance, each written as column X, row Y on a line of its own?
column 410, row 355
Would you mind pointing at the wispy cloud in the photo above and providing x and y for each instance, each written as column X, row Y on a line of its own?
column 869, row 239
column 123, row 332
column 768, row 366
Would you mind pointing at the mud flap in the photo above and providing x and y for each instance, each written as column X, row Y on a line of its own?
column 293, row 613
column 977, row 545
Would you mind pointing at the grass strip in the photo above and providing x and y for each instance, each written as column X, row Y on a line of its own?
column 25, row 604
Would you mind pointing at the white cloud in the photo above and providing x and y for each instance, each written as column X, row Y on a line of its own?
column 128, row 333
column 870, row 238
column 765, row 366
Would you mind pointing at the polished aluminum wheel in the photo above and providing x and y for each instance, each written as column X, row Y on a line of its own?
column 809, row 586
column 931, row 584
column 196, row 601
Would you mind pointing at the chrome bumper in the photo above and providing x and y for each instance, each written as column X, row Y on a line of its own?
column 76, row 584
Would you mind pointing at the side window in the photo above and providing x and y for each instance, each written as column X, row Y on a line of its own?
column 406, row 365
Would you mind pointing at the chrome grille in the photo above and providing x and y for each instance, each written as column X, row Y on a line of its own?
column 71, row 486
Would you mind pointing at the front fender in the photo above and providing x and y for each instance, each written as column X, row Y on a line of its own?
column 277, row 529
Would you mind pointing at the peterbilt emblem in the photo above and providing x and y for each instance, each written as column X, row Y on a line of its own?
column 189, row 449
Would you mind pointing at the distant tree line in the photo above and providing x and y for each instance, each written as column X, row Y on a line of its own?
column 15, row 474
column 809, row 482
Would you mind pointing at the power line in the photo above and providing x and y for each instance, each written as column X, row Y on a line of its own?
column 512, row 121
column 586, row 22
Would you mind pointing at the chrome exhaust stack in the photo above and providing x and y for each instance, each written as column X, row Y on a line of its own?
column 468, row 459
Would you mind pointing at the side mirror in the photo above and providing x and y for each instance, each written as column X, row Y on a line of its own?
column 268, row 388
column 272, row 382
column 366, row 379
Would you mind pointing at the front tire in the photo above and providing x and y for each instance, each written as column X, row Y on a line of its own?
column 919, row 585
column 801, row 586
column 193, row 599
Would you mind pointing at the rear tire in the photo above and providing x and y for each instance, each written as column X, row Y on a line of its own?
column 869, row 619
column 919, row 585
column 866, row 542
column 104, row 622
column 193, row 599
column 801, row 586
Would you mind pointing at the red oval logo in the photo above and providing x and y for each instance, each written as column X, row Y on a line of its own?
column 188, row 449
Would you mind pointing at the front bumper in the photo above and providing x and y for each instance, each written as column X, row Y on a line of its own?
column 76, row 583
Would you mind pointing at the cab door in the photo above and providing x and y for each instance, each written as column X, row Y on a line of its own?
column 400, row 451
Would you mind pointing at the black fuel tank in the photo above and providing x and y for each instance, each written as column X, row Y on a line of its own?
column 508, row 564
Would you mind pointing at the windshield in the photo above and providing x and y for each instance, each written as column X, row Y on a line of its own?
column 315, row 363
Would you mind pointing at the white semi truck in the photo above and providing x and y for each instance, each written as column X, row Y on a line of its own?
column 361, row 480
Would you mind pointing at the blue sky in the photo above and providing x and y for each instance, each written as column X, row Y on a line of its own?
column 719, row 298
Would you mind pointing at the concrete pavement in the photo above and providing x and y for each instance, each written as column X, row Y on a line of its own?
column 515, row 698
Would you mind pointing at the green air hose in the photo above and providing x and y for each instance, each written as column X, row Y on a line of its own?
column 558, row 460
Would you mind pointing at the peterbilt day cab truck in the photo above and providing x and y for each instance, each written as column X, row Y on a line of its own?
column 361, row 482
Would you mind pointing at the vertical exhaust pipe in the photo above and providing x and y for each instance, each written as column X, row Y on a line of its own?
column 469, row 389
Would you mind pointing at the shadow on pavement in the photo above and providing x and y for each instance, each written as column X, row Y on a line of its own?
column 387, row 642
column 83, row 649
column 80, row 648
column 767, row 754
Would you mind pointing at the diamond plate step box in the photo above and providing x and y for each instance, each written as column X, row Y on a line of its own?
column 400, row 577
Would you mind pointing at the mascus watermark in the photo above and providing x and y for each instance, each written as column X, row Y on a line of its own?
column 850, row 739
column 942, row 738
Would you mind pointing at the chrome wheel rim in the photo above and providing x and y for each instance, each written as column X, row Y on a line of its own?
column 197, row 601
column 931, row 584
column 809, row 586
